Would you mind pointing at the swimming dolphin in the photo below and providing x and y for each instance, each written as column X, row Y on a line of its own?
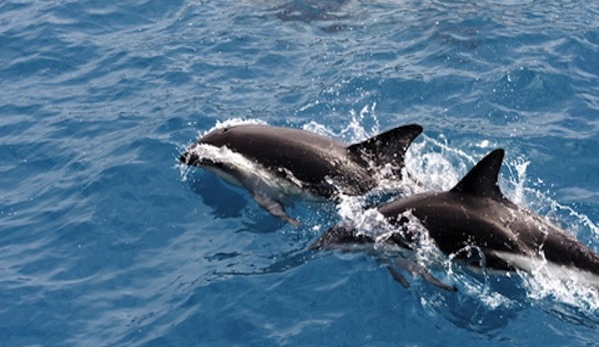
column 275, row 163
column 475, row 223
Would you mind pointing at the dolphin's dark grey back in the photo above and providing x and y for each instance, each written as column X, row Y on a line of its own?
column 292, row 161
column 476, row 214
column 306, row 156
column 314, row 159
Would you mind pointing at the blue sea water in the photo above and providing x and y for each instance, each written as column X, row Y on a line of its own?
column 106, row 241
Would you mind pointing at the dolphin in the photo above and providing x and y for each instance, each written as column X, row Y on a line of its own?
column 276, row 163
column 476, row 224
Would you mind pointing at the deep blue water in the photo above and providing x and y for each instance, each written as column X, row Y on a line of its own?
column 106, row 241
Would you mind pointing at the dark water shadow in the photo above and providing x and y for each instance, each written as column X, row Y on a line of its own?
column 222, row 199
column 485, row 304
column 328, row 15
column 311, row 10
column 588, row 318
column 287, row 262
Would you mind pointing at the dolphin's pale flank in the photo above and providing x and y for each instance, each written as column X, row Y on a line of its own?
column 276, row 163
column 475, row 223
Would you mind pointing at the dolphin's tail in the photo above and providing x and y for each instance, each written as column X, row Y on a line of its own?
column 387, row 148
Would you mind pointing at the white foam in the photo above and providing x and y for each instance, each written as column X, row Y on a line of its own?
column 232, row 122
column 431, row 164
column 434, row 165
column 567, row 286
column 355, row 131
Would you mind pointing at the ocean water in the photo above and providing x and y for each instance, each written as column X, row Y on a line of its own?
column 106, row 241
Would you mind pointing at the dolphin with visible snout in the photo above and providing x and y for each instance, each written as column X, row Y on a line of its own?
column 475, row 223
column 276, row 163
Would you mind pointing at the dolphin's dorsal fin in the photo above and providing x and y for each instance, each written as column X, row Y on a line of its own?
column 482, row 180
column 386, row 148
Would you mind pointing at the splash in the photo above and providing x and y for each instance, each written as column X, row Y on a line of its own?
column 431, row 164
column 232, row 122
column 518, row 194
column 355, row 130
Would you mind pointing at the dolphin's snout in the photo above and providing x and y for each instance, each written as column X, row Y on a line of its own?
column 189, row 158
